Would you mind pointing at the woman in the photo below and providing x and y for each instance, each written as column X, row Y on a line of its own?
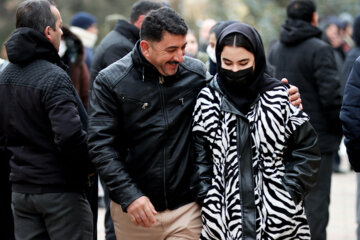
column 256, row 155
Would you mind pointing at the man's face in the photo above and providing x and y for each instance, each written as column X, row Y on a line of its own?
column 191, row 45
column 56, row 35
column 166, row 54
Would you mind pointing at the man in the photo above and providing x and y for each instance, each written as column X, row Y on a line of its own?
column 41, row 128
column 309, row 63
column 7, row 230
column 121, row 40
column 139, row 132
column 84, row 26
column 350, row 112
column 350, row 117
column 139, row 140
column 114, row 46
column 204, row 33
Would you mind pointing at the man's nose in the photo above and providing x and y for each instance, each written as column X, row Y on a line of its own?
column 179, row 57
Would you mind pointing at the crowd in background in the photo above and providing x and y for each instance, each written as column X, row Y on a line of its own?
column 85, row 56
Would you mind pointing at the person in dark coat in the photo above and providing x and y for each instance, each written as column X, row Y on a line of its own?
column 116, row 44
column 354, row 53
column 121, row 40
column 41, row 127
column 74, row 57
column 350, row 117
column 84, row 26
column 140, row 128
column 350, row 111
column 308, row 62
column 7, row 230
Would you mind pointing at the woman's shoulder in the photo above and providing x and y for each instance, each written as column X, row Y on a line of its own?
column 209, row 95
column 279, row 91
column 207, row 91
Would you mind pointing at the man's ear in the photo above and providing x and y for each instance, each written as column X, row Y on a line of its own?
column 139, row 21
column 315, row 19
column 47, row 33
column 145, row 48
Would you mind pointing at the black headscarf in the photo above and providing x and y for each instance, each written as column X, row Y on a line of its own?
column 243, row 98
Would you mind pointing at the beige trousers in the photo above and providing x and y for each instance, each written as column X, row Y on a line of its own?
column 181, row 223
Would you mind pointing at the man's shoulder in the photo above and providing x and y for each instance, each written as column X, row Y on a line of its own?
column 114, row 39
column 117, row 70
column 194, row 65
column 40, row 70
column 315, row 42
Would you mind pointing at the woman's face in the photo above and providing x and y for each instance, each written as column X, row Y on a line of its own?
column 212, row 40
column 236, row 58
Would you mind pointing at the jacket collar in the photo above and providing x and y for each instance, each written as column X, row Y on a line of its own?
column 128, row 30
column 26, row 45
column 294, row 31
column 149, row 72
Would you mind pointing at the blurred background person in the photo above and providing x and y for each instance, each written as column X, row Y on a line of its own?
column 192, row 47
column 84, row 25
column 348, row 22
column 308, row 62
column 354, row 53
column 333, row 33
column 72, row 53
column 350, row 111
column 350, row 117
column 204, row 33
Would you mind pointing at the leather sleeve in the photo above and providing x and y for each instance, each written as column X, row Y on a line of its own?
column 302, row 162
column 106, row 149
column 201, row 179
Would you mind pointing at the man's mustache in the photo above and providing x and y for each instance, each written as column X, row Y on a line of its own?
column 173, row 62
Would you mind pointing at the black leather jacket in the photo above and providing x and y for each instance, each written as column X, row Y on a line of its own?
column 140, row 129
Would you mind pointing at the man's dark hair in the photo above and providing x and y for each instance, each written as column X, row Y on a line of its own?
column 36, row 14
column 160, row 20
column 142, row 8
column 301, row 9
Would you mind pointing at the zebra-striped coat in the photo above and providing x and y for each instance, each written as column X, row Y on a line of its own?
column 252, row 192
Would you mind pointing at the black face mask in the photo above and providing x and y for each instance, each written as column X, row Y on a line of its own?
column 241, row 78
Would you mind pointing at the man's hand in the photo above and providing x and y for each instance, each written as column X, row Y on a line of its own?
column 294, row 95
column 142, row 212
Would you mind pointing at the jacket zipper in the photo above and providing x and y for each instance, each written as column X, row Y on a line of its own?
column 161, row 81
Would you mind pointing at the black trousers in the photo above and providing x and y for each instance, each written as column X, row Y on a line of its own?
column 52, row 216
column 317, row 202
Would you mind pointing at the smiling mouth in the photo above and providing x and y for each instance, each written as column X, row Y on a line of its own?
column 173, row 63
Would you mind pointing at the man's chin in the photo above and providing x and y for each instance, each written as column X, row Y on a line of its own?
column 171, row 72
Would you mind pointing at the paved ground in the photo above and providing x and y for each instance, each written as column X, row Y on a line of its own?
column 342, row 225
